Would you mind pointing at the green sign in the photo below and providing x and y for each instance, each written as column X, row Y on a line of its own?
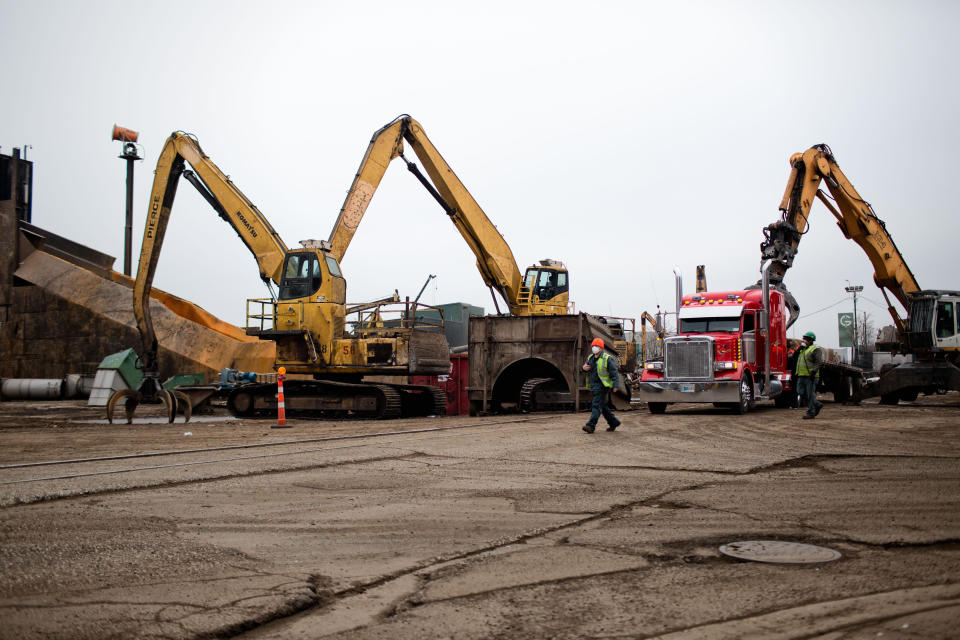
column 845, row 325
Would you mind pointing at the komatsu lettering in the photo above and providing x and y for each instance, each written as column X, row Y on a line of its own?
column 246, row 224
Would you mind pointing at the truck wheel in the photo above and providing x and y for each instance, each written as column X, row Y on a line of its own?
column 890, row 398
column 894, row 396
column 910, row 394
column 841, row 389
column 241, row 403
column 746, row 396
column 785, row 400
column 657, row 407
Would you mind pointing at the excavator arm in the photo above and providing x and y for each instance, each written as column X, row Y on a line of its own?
column 229, row 202
column 495, row 260
column 645, row 317
column 233, row 206
column 854, row 216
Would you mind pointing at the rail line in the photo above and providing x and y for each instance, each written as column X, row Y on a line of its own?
column 382, row 434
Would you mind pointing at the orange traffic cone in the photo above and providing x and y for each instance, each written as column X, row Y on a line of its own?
column 281, row 409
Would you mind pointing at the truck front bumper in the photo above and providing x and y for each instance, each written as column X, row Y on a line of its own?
column 680, row 391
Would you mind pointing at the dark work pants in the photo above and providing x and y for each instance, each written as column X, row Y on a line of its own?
column 600, row 405
column 807, row 386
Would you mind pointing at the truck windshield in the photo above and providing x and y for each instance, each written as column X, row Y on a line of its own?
column 707, row 325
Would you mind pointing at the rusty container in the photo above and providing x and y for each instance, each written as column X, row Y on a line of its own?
column 512, row 356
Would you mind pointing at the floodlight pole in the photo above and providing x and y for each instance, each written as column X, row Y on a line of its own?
column 854, row 289
column 129, row 139
column 130, row 155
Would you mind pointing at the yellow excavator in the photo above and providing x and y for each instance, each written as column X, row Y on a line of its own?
column 307, row 317
column 658, row 330
column 929, row 331
column 542, row 290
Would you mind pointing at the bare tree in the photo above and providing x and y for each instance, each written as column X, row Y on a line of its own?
column 866, row 333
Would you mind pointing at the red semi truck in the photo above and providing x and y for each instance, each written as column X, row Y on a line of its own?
column 721, row 353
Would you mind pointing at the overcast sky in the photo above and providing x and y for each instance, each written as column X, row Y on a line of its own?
column 624, row 138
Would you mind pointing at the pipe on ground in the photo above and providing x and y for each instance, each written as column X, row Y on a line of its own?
column 32, row 389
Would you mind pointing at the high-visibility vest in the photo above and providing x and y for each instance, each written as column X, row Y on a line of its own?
column 603, row 358
column 803, row 367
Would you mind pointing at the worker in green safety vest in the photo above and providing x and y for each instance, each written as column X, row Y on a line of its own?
column 603, row 377
column 809, row 359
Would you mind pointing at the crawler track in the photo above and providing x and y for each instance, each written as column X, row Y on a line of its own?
column 339, row 400
column 544, row 394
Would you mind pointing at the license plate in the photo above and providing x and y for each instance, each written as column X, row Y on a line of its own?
column 687, row 388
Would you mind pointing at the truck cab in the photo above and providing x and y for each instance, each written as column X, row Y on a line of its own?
column 720, row 353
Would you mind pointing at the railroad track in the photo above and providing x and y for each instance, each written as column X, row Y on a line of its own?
column 16, row 478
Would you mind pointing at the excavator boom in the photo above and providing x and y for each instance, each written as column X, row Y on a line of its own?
column 495, row 260
column 254, row 230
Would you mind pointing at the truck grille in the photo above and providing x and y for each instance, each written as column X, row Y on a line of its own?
column 689, row 358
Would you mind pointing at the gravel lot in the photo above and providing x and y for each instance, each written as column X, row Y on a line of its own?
column 514, row 526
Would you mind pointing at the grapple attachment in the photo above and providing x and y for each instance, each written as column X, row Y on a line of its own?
column 151, row 391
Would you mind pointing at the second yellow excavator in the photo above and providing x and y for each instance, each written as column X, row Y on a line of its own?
column 542, row 290
column 930, row 331
column 541, row 293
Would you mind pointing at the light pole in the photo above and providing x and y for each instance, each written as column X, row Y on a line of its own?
column 129, row 139
column 854, row 289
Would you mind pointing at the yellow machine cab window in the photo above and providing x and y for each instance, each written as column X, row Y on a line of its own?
column 333, row 267
column 546, row 283
column 301, row 276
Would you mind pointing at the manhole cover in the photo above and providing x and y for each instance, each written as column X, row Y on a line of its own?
column 778, row 551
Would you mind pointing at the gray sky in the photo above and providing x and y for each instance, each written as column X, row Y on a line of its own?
column 624, row 138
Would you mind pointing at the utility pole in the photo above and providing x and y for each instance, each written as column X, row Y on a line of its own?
column 854, row 289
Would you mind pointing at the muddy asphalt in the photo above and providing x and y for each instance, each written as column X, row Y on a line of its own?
column 516, row 526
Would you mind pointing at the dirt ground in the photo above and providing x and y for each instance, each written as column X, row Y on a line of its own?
column 517, row 526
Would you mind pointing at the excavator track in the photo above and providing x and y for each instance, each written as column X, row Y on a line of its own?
column 319, row 398
column 534, row 396
column 392, row 403
column 421, row 400
column 438, row 399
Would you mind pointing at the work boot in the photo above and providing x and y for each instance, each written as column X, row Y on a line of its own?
column 808, row 416
column 589, row 428
column 613, row 426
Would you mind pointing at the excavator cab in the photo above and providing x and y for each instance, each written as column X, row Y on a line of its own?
column 546, row 284
column 932, row 321
column 306, row 272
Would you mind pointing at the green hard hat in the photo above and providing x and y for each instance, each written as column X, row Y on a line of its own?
column 811, row 335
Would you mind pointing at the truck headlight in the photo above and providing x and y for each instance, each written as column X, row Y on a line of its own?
column 724, row 366
column 654, row 366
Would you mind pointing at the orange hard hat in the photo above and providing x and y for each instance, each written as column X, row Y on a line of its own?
column 597, row 342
